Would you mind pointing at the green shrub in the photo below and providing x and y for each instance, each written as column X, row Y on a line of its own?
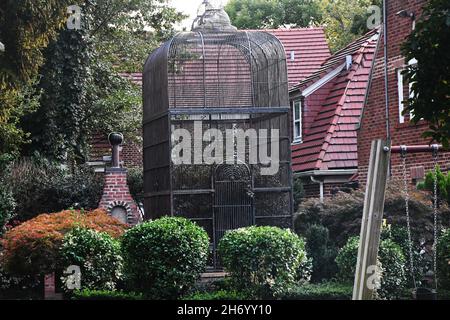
column 40, row 186
column 391, row 258
column 320, row 291
column 265, row 260
column 299, row 192
column 105, row 295
column 321, row 251
column 164, row 258
column 98, row 256
column 13, row 287
column 443, row 260
column 422, row 256
column 342, row 213
column 304, row 271
column 218, row 295
column 443, row 184
column 135, row 180
column 7, row 205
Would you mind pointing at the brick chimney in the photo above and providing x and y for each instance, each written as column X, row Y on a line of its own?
column 116, row 198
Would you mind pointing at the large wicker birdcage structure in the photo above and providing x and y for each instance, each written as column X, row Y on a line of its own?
column 227, row 80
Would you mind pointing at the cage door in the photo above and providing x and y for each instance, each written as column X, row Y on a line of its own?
column 233, row 205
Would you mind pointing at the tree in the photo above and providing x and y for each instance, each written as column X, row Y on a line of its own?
column 126, row 31
column 82, row 90
column 430, row 77
column 260, row 14
column 26, row 28
column 344, row 20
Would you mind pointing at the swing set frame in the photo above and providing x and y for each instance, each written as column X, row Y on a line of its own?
column 372, row 220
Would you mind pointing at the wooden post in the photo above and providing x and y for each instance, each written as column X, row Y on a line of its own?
column 372, row 219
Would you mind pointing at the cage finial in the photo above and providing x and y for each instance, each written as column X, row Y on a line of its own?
column 212, row 17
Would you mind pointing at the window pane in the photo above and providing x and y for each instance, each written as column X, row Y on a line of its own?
column 297, row 111
column 297, row 130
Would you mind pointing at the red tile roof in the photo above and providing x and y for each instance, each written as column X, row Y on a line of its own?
column 330, row 140
column 308, row 44
column 310, row 51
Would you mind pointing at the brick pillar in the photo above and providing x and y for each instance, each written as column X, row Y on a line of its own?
column 50, row 288
column 117, row 197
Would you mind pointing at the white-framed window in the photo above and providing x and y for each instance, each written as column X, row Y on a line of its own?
column 297, row 121
column 402, row 93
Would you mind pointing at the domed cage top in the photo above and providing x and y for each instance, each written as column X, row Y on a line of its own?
column 217, row 70
column 228, row 80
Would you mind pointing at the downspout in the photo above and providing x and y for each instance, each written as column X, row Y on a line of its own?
column 320, row 188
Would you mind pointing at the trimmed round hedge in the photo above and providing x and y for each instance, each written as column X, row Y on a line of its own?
column 265, row 260
column 98, row 256
column 391, row 258
column 164, row 258
column 443, row 260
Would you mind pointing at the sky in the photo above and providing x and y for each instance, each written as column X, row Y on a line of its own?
column 189, row 7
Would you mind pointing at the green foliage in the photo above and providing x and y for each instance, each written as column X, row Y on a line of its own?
column 98, row 256
column 344, row 20
column 443, row 261
column 97, row 295
column 443, row 184
column 164, row 258
column 58, row 127
column 135, row 181
column 422, row 257
column 13, row 287
column 320, row 291
column 81, row 95
column 430, row 78
column 342, row 213
column 265, row 260
column 272, row 14
column 7, row 205
column 392, row 263
column 82, row 92
column 299, row 192
column 322, row 252
column 40, row 186
column 119, row 29
column 16, row 103
column 26, row 27
column 217, row 295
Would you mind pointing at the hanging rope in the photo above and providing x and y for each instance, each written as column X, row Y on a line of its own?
column 408, row 218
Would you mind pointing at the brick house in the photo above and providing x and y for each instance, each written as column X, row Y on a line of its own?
column 373, row 122
column 306, row 49
column 326, row 109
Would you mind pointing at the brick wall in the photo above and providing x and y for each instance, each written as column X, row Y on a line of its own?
column 312, row 190
column 131, row 152
column 373, row 125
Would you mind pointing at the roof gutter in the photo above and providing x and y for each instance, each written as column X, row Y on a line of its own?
column 322, row 173
column 321, row 82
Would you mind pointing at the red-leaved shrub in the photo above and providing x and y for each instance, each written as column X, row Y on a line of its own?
column 32, row 248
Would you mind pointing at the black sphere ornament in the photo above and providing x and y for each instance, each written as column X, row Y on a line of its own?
column 115, row 139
